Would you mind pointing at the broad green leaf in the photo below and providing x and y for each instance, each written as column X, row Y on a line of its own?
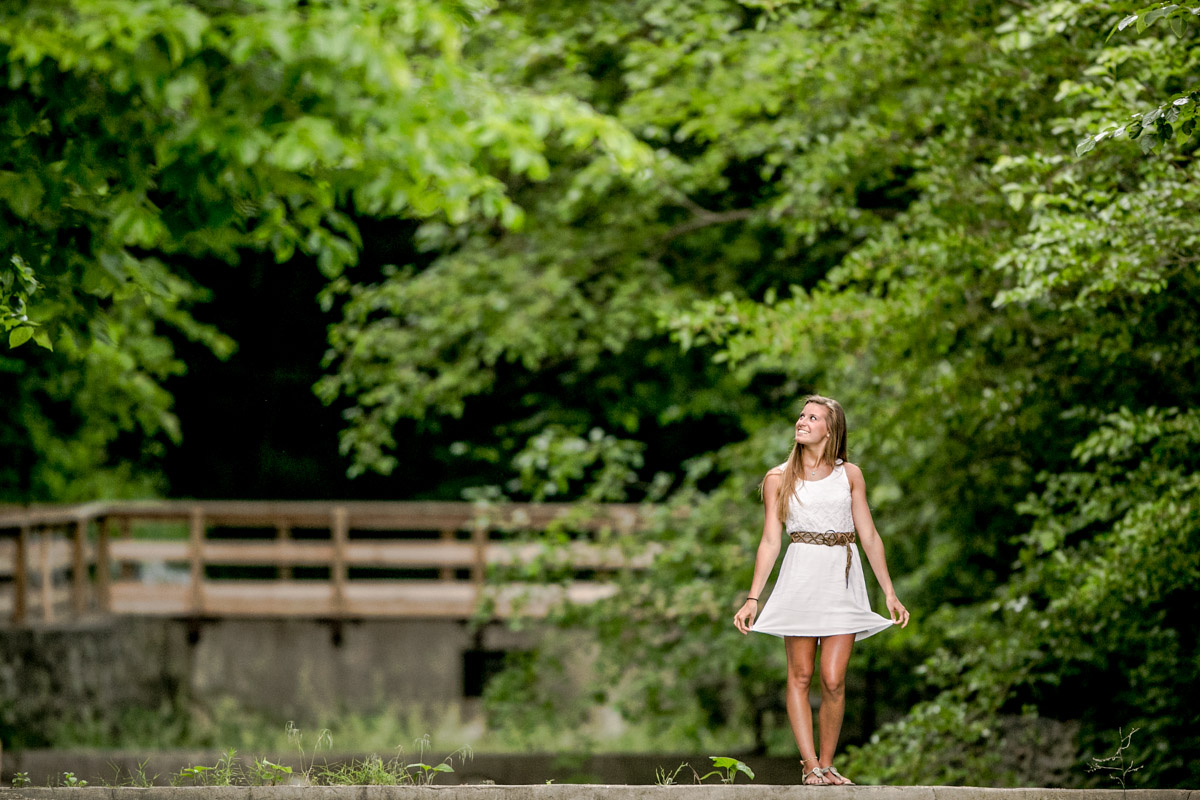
column 19, row 336
column 22, row 191
column 1150, row 17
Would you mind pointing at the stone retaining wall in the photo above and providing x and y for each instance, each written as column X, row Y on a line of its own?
column 289, row 668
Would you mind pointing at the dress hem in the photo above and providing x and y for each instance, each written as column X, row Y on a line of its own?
column 860, row 634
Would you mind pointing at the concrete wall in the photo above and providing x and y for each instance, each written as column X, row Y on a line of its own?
column 292, row 666
column 77, row 669
column 286, row 667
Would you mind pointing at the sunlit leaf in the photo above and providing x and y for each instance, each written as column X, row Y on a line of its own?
column 19, row 336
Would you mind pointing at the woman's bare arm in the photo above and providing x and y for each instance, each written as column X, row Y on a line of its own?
column 768, row 551
column 872, row 542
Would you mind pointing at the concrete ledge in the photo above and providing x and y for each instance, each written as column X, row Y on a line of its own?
column 104, row 768
column 589, row 792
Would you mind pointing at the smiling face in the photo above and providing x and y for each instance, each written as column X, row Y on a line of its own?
column 813, row 425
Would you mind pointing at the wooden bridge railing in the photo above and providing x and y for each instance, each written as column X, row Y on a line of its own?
column 329, row 560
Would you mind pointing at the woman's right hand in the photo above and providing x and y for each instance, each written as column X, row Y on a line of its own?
column 744, row 618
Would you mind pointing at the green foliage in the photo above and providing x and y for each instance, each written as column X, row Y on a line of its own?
column 555, row 459
column 241, row 127
column 1173, row 117
column 194, row 775
column 137, row 776
column 220, row 723
column 374, row 771
column 146, row 141
column 371, row 771
column 263, row 772
column 925, row 250
column 226, row 772
column 727, row 768
column 530, row 692
column 645, row 229
column 69, row 780
column 1108, row 551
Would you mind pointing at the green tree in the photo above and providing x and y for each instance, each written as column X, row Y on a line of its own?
column 147, row 141
column 1088, row 287
column 880, row 201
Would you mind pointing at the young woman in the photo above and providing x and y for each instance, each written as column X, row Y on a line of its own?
column 820, row 596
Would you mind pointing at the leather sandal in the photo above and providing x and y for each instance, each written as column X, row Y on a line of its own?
column 820, row 773
column 826, row 770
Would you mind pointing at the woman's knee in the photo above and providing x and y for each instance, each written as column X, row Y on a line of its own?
column 833, row 685
column 799, row 677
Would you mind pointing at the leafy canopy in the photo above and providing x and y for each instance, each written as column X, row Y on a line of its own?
column 148, row 141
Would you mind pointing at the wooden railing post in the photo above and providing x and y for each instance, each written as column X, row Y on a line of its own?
column 196, row 559
column 479, row 538
column 446, row 573
column 44, row 542
column 340, row 531
column 104, row 566
column 283, row 533
column 79, row 568
column 21, row 577
column 128, row 572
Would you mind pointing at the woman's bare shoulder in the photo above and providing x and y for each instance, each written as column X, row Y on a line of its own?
column 774, row 472
column 852, row 471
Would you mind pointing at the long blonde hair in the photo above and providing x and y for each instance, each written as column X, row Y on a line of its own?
column 835, row 450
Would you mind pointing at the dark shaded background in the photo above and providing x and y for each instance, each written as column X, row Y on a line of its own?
column 254, row 429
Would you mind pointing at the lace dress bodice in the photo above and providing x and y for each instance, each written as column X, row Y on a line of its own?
column 821, row 505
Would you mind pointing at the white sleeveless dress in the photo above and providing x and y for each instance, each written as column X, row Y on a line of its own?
column 812, row 596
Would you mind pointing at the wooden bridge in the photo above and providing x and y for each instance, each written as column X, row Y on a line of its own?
column 325, row 560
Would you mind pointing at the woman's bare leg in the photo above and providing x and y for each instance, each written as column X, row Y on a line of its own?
column 835, row 655
column 801, row 656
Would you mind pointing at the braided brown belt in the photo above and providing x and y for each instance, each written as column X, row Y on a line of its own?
column 831, row 538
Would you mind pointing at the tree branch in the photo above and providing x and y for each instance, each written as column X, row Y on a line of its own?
column 706, row 218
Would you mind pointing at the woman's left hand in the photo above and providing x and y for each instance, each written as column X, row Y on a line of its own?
column 897, row 610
